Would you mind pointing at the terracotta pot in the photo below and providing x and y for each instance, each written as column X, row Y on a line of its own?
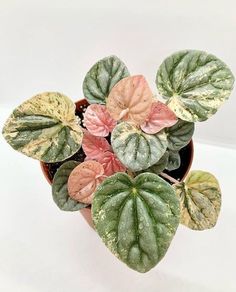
column 186, row 161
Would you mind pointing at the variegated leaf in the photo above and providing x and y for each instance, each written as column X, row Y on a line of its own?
column 130, row 100
column 136, row 149
column 173, row 161
column 102, row 77
column 60, row 190
column 200, row 198
column 84, row 180
column 45, row 128
column 136, row 218
column 110, row 163
column 179, row 135
column 195, row 84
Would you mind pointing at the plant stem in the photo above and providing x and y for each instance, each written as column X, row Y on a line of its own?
column 170, row 178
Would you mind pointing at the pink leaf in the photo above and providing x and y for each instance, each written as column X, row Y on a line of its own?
column 159, row 118
column 98, row 120
column 94, row 146
column 84, row 180
column 111, row 163
column 130, row 100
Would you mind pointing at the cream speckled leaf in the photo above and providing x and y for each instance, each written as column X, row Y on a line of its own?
column 136, row 149
column 136, row 218
column 45, row 128
column 60, row 190
column 179, row 135
column 173, row 161
column 102, row 77
column 195, row 84
column 158, row 167
column 130, row 100
column 200, row 198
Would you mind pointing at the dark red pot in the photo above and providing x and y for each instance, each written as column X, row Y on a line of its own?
column 186, row 161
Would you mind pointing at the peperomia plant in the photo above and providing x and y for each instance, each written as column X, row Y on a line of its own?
column 130, row 140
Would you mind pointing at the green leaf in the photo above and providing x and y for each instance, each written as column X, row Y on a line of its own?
column 173, row 160
column 200, row 197
column 60, row 191
column 195, row 84
column 102, row 77
column 136, row 149
column 158, row 167
column 179, row 135
column 45, row 128
column 136, row 219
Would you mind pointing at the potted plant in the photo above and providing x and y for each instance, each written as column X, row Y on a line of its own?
column 121, row 154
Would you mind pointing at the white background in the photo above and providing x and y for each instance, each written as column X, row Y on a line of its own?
column 50, row 45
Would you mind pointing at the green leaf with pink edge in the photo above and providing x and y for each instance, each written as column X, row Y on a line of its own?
column 130, row 100
column 93, row 146
column 84, row 179
column 160, row 117
column 111, row 163
column 98, row 121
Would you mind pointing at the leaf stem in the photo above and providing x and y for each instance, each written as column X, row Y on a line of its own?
column 170, row 178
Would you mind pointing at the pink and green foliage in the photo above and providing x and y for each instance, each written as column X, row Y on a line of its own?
column 98, row 120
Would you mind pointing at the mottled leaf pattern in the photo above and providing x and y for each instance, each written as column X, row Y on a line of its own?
column 60, row 190
column 179, row 135
column 110, row 163
column 130, row 100
column 93, row 146
column 173, row 160
column 195, row 84
column 136, row 149
column 102, row 77
column 136, row 219
column 98, row 120
column 84, row 180
column 45, row 128
column 200, row 197
column 160, row 117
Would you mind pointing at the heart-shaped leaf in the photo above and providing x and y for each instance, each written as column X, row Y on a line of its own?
column 158, row 167
column 45, row 128
column 98, row 120
column 84, row 180
column 110, row 163
column 136, row 149
column 60, row 191
column 102, row 77
column 136, row 219
column 179, row 135
column 160, row 117
column 94, row 147
column 174, row 160
column 195, row 83
column 200, row 198
column 130, row 100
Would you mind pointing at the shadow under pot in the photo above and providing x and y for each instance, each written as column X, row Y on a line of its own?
column 49, row 169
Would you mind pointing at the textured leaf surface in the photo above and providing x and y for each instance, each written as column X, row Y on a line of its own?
column 98, row 120
column 136, row 219
column 136, row 149
column 45, row 128
column 102, row 77
column 130, row 100
column 158, row 167
column 195, row 83
column 110, row 163
column 60, row 190
column 173, row 161
column 84, row 180
column 200, row 197
column 160, row 117
column 93, row 146
column 179, row 135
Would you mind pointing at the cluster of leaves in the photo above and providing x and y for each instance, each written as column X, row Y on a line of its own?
column 129, row 137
